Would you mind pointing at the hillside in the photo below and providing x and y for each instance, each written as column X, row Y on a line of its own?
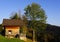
column 3, row 39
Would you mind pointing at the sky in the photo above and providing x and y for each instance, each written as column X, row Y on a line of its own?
column 51, row 7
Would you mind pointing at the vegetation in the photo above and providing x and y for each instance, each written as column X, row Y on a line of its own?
column 34, row 13
column 3, row 39
column 16, row 15
column 1, row 28
column 35, row 26
column 53, row 34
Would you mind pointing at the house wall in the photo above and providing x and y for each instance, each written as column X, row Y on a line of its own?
column 14, row 30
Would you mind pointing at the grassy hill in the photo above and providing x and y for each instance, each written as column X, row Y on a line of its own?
column 3, row 39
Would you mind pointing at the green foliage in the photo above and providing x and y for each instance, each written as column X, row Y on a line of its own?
column 16, row 15
column 25, row 20
column 23, row 29
column 29, row 33
column 34, row 13
column 3, row 39
column 1, row 28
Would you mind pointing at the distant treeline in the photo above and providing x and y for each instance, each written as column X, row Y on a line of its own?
column 52, row 31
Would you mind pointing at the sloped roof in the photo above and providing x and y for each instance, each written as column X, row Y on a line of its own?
column 12, row 22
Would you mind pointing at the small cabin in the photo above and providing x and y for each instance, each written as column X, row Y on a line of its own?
column 12, row 27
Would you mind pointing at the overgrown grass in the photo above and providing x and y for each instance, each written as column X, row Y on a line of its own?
column 3, row 39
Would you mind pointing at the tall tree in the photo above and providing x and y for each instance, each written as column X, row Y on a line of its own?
column 16, row 15
column 24, row 18
column 25, row 24
column 34, row 13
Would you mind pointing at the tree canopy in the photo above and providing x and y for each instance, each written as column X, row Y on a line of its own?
column 34, row 13
column 37, row 15
column 16, row 15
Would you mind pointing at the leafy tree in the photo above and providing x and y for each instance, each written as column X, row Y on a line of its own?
column 34, row 13
column 24, row 18
column 16, row 15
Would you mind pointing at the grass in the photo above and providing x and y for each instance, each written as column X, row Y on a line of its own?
column 3, row 39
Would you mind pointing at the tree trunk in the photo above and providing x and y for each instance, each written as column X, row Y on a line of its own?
column 45, row 38
column 34, row 36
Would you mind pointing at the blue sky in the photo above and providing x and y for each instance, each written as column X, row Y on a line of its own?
column 51, row 7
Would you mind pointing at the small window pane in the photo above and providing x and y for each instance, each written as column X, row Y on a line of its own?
column 10, row 31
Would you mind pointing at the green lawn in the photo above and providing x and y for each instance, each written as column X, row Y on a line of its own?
column 3, row 39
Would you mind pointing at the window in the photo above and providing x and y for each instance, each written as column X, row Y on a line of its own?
column 9, row 31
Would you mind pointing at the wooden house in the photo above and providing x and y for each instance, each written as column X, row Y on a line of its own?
column 12, row 27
